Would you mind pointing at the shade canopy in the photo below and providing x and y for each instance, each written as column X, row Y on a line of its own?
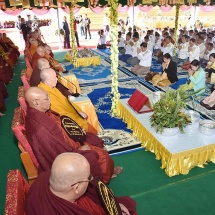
column 100, row 3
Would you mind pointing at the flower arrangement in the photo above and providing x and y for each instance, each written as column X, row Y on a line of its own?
column 61, row 32
column 114, row 55
column 74, row 57
column 176, row 28
column 168, row 111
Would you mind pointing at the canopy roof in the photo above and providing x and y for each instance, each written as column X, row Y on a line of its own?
column 85, row 3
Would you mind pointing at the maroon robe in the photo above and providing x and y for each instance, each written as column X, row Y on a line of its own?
column 3, row 95
column 34, row 60
column 6, row 67
column 47, row 142
column 41, row 201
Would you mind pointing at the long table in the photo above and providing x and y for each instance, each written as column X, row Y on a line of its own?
column 179, row 153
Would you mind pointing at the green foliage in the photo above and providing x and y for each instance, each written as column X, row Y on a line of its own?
column 168, row 111
column 61, row 32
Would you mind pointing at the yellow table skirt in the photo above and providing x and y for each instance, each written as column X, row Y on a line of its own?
column 87, row 61
column 70, row 81
column 88, row 108
column 174, row 164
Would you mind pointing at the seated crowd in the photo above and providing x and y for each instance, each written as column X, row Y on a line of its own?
column 60, row 136
column 195, row 50
column 9, row 54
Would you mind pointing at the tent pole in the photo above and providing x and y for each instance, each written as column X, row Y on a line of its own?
column 60, row 41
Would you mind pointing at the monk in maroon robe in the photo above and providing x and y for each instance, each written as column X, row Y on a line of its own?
column 71, row 189
column 48, row 139
column 40, row 53
column 3, row 95
column 6, row 67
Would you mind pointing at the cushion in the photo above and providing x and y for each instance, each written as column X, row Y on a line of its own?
column 18, row 128
column 17, row 188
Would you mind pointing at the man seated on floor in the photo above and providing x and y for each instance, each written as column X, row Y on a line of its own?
column 193, row 53
column 145, row 57
column 71, row 188
column 43, row 63
column 50, row 135
column 128, row 49
column 38, row 54
column 59, row 103
column 135, row 44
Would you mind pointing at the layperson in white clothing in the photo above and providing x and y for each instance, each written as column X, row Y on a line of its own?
column 157, row 45
column 182, row 52
column 135, row 44
column 102, row 40
column 145, row 57
column 202, row 48
column 210, row 49
column 121, row 43
column 167, row 46
column 128, row 49
column 193, row 51
column 149, row 43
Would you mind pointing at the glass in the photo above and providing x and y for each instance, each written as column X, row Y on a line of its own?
column 47, row 99
column 90, row 178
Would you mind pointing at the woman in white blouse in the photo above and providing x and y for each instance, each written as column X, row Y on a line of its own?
column 145, row 57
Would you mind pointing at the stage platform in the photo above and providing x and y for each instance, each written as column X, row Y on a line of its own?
column 179, row 153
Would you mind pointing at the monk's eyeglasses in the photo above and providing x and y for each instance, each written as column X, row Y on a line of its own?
column 90, row 178
column 47, row 99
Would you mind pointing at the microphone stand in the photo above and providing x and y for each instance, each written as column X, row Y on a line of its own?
column 76, row 94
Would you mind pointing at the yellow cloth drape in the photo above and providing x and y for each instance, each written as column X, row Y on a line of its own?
column 86, row 61
column 61, row 105
column 70, row 81
column 174, row 164
column 87, row 107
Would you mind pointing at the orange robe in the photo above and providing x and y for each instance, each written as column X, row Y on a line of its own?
column 33, row 49
column 34, row 60
column 61, row 105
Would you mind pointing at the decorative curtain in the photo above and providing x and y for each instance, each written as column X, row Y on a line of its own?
column 123, row 9
column 75, row 10
column 40, row 11
column 145, row 8
column 13, row 12
column 97, row 9
column 165, row 8
column 185, row 8
column 206, row 8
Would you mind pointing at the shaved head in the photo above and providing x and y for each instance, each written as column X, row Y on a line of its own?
column 43, row 63
column 68, row 169
column 37, row 98
column 48, row 77
column 41, row 51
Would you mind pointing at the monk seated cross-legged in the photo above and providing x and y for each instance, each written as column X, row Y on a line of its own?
column 50, row 135
column 71, row 188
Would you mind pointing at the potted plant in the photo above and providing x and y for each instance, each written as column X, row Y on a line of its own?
column 168, row 112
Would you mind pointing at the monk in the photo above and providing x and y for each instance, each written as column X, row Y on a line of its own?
column 54, row 64
column 35, row 77
column 48, row 138
column 70, row 188
column 33, row 46
column 38, row 54
column 59, row 103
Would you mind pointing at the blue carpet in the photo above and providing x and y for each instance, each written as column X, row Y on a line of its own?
column 101, row 99
column 178, row 83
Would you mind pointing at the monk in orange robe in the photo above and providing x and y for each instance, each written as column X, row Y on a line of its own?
column 33, row 46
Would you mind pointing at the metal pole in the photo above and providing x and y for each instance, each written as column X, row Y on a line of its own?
column 60, row 41
column 133, row 16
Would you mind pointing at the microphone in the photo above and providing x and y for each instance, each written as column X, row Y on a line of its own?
column 76, row 94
